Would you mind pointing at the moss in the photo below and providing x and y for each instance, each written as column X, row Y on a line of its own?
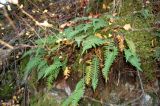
column 43, row 100
column 141, row 37
column 6, row 91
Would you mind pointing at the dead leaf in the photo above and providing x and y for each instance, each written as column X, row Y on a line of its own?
column 45, row 11
column 67, row 24
column 110, row 35
column 114, row 14
column 104, row 6
column 13, row 1
column 111, row 20
column 127, row 27
column 99, row 35
column 66, row 72
column 44, row 24
column 120, row 42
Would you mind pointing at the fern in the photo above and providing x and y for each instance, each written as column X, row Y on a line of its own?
column 49, row 81
column 110, row 55
column 98, row 23
column 33, row 63
column 40, row 52
column 88, row 75
column 131, row 56
column 79, row 39
column 54, row 68
column 133, row 59
column 76, row 95
column 46, row 41
column 69, row 33
column 41, row 72
column 95, row 70
column 30, row 52
column 90, row 42
column 131, row 45
column 41, row 69
column 41, row 65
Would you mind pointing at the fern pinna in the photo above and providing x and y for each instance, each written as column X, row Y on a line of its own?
column 110, row 54
column 92, row 72
column 95, row 71
column 76, row 95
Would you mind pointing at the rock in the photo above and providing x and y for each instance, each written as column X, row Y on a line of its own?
column 58, row 94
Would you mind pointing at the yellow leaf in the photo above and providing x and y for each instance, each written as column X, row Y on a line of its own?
column 88, row 75
column 67, row 72
column 127, row 27
column 109, row 35
column 98, row 35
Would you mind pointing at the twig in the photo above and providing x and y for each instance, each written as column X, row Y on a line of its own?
column 93, row 99
column 6, row 44
column 140, row 81
column 15, row 38
column 8, row 18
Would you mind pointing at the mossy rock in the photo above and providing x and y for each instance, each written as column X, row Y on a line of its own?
column 142, row 38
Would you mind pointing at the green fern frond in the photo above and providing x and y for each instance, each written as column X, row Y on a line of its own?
column 91, row 41
column 76, row 95
column 50, row 81
column 87, row 26
column 95, row 70
column 133, row 59
column 110, row 55
column 131, row 45
column 40, row 52
column 54, row 68
column 98, row 23
column 79, row 39
column 41, row 72
column 88, row 75
column 41, row 64
column 28, row 53
column 41, row 69
column 69, row 33
column 46, row 41
column 33, row 63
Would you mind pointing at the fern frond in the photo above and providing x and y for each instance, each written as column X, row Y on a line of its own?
column 98, row 23
column 110, row 55
column 40, row 52
column 76, row 95
column 33, row 63
column 41, row 64
column 30, row 52
column 131, row 45
column 88, row 75
column 79, row 39
column 133, row 59
column 54, row 68
column 50, row 81
column 70, row 33
column 91, row 41
column 46, row 41
column 95, row 70
column 41, row 72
